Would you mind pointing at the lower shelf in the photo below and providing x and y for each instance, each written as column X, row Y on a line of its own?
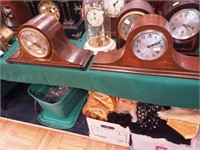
column 20, row 106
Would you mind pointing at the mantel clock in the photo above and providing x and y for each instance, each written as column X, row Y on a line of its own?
column 184, row 19
column 149, row 50
column 39, row 46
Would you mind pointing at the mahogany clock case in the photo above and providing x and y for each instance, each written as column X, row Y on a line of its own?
column 188, row 46
column 62, row 52
column 15, row 13
column 70, row 15
column 170, row 64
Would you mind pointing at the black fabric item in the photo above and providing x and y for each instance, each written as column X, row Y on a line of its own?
column 161, row 131
column 147, row 116
column 122, row 119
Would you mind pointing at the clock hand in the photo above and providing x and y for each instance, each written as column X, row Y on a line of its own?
column 185, row 25
column 154, row 44
column 115, row 4
column 37, row 45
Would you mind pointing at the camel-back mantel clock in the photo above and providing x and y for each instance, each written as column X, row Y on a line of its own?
column 149, row 50
column 184, row 19
column 41, row 44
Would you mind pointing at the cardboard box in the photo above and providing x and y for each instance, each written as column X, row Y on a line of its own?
column 108, row 132
column 142, row 142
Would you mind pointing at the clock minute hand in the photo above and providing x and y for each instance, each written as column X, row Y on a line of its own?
column 154, row 44
column 115, row 4
column 186, row 26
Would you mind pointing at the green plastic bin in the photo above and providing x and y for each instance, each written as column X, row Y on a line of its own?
column 64, row 106
column 62, row 123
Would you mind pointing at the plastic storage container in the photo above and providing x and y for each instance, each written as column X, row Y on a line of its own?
column 64, row 106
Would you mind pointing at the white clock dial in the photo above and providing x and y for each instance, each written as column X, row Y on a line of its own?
column 95, row 17
column 34, row 42
column 185, row 24
column 149, row 45
column 113, row 7
column 126, row 23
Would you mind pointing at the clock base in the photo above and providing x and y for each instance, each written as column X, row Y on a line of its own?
column 118, row 62
column 110, row 47
column 54, row 60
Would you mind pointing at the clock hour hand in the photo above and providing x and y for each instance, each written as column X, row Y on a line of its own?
column 154, row 44
column 38, row 45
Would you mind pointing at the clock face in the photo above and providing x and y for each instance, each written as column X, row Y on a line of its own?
column 34, row 42
column 185, row 24
column 149, row 45
column 126, row 22
column 49, row 8
column 113, row 7
column 95, row 17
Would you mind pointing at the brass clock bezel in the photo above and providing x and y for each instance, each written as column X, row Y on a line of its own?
column 51, row 3
column 191, row 35
column 100, row 10
column 122, row 21
column 152, row 31
column 38, row 33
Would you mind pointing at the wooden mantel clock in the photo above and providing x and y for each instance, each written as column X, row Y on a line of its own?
column 43, row 42
column 14, row 13
column 149, row 50
column 184, row 19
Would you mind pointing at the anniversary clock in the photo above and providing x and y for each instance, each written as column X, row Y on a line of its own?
column 125, row 20
column 149, row 50
column 14, row 13
column 67, row 12
column 184, row 19
column 39, row 46
column 113, row 9
column 98, row 27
